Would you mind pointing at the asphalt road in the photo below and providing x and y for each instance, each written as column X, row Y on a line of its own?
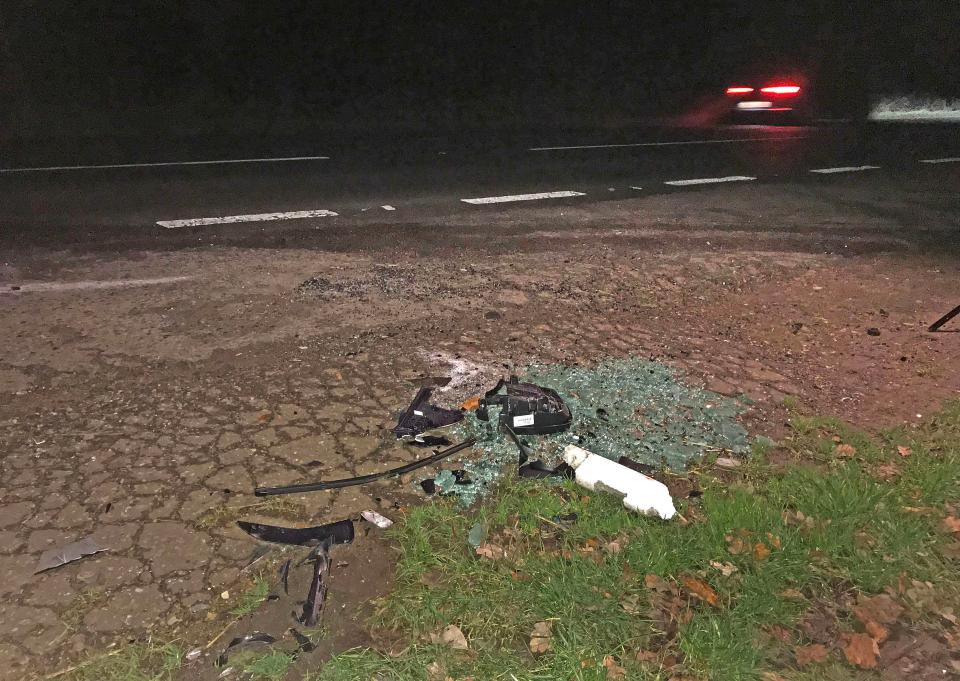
column 121, row 198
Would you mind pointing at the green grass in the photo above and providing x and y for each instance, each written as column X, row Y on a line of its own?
column 137, row 662
column 271, row 666
column 252, row 598
column 860, row 538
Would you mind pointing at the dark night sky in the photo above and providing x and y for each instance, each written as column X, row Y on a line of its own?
column 403, row 60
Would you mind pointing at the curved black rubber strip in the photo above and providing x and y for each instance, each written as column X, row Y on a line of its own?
column 363, row 479
column 944, row 319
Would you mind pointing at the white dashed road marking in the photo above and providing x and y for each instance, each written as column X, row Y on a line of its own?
column 671, row 144
column 261, row 217
column 225, row 161
column 524, row 197
column 843, row 169
column 710, row 180
column 40, row 287
column 388, row 207
column 951, row 159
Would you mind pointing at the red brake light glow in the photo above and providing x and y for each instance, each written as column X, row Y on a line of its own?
column 780, row 90
column 739, row 90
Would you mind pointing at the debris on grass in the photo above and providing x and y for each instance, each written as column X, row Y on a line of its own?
column 377, row 519
column 631, row 408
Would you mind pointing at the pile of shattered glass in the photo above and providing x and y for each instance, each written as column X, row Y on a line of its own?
column 625, row 407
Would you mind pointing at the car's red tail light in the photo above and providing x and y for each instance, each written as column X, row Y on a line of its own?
column 739, row 90
column 780, row 90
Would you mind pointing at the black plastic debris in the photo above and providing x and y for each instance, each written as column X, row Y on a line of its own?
column 526, row 408
column 257, row 637
column 340, row 532
column 429, row 485
column 429, row 441
column 285, row 575
column 944, row 319
column 317, row 595
column 61, row 555
column 644, row 468
column 873, row 331
column 431, row 381
column 422, row 416
column 363, row 479
column 538, row 469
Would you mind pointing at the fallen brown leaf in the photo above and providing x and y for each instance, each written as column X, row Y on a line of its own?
column 491, row 551
column 452, row 637
column 761, row 551
column 772, row 676
column 844, row 451
column 886, row 471
column 805, row 655
column 792, row 595
column 952, row 524
column 471, row 404
column 630, row 604
column 646, row 656
column 701, row 590
column 882, row 609
column 861, row 651
column 774, row 540
column 656, row 583
column 540, row 637
column 726, row 569
column 878, row 632
column 780, row 633
column 904, row 451
column 436, row 671
column 614, row 671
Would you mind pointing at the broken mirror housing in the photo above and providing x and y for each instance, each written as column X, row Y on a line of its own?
column 526, row 408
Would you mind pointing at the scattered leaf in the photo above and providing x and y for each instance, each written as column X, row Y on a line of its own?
column 656, row 583
column 780, row 633
column 726, row 569
column 774, row 540
column 882, row 609
column 630, row 604
column 772, row 676
column 904, row 451
column 844, row 451
column 760, row 551
column 952, row 524
column 471, row 404
column 792, row 595
column 646, row 656
column 452, row 637
column 614, row 671
column 615, row 546
column 886, row 471
column 436, row 671
column 491, row 551
column 878, row 632
column 540, row 637
column 805, row 655
column 701, row 590
column 861, row 651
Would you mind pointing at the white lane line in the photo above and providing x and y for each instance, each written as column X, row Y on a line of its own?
column 710, row 180
column 41, row 287
column 672, row 144
column 388, row 207
column 523, row 197
column 949, row 159
column 636, row 187
column 225, row 161
column 843, row 169
column 261, row 217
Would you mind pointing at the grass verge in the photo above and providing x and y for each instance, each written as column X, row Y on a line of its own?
column 137, row 662
column 769, row 563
